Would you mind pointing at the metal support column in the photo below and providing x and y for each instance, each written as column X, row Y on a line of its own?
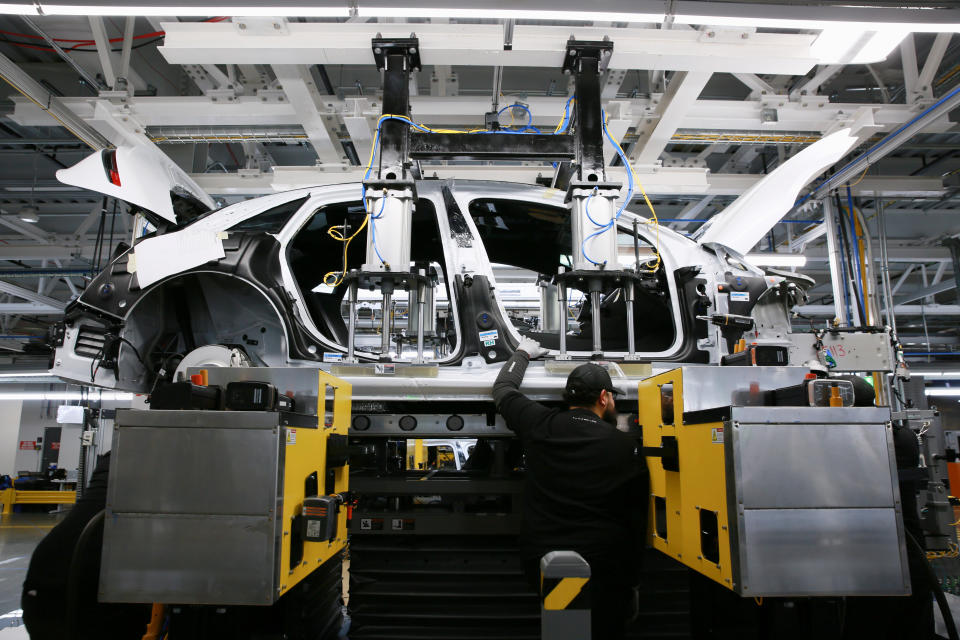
column 562, row 302
column 421, row 299
column 385, row 320
column 595, row 320
column 352, row 322
column 834, row 257
column 954, row 245
column 888, row 303
column 628, row 300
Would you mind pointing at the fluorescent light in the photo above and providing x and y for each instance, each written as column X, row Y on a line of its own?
column 776, row 259
column 803, row 23
column 19, row 9
column 842, row 45
column 943, row 392
column 306, row 11
column 513, row 14
column 28, row 214
column 27, row 374
column 944, row 375
column 879, row 47
column 65, row 395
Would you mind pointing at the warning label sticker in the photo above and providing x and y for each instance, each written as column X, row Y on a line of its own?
column 291, row 436
column 313, row 528
column 716, row 435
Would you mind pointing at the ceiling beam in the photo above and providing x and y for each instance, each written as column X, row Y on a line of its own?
column 663, row 181
column 815, row 115
column 719, row 50
column 29, row 308
column 50, row 105
column 653, row 133
column 31, row 296
column 932, row 290
column 302, row 94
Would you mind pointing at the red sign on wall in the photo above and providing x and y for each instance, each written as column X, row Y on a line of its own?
column 28, row 445
column 54, row 446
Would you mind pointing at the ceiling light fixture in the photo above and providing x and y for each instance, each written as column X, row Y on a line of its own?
column 65, row 395
column 338, row 10
column 776, row 259
column 507, row 14
column 28, row 214
column 840, row 45
column 943, row 392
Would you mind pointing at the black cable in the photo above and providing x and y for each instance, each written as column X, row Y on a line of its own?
column 937, row 590
column 135, row 352
column 73, row 577
column 93, row 361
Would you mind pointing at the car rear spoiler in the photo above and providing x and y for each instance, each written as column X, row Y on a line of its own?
column 145, row 178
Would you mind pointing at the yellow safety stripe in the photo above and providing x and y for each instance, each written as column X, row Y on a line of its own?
column 564, row 593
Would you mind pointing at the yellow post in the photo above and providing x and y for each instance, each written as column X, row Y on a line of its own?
column 7, row 497
column 419, row 454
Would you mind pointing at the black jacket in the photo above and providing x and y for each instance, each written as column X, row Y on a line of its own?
column 586, row 487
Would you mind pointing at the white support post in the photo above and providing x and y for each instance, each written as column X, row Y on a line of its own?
column 903, row 278
column 360, row 128
column 126, row 50
column 911, row 77
column 798, row 244
column 302, row 94
column 680, row 97
column 931, row 64
column 219, row 77
column 30, row 296
column 691, row 211
column 25, row 229
column 103, row 50
column 812, row 86
column 74, row 292
column 757, row 85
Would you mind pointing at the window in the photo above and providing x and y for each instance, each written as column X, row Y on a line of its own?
column 506, row 228
column 271, row 220
column 313, row 254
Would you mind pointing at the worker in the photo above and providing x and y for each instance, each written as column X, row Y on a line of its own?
column 586, row 487
column 61, row 573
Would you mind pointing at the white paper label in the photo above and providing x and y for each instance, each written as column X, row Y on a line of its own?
column 489, row 337
column 739, row 296
column 332, row 357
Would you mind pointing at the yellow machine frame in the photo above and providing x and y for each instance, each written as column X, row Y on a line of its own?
column 306, row 453
column 677, row 499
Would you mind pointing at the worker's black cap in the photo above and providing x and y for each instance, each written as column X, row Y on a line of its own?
column 586, row 381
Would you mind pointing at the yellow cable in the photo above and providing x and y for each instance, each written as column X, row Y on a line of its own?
column 653, row 213
column 336, row 234
column 860, row 179
column 566, row 113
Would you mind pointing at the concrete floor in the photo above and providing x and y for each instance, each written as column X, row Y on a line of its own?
column 19, row 535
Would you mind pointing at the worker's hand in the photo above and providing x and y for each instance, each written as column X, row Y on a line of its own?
column 531, row 347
